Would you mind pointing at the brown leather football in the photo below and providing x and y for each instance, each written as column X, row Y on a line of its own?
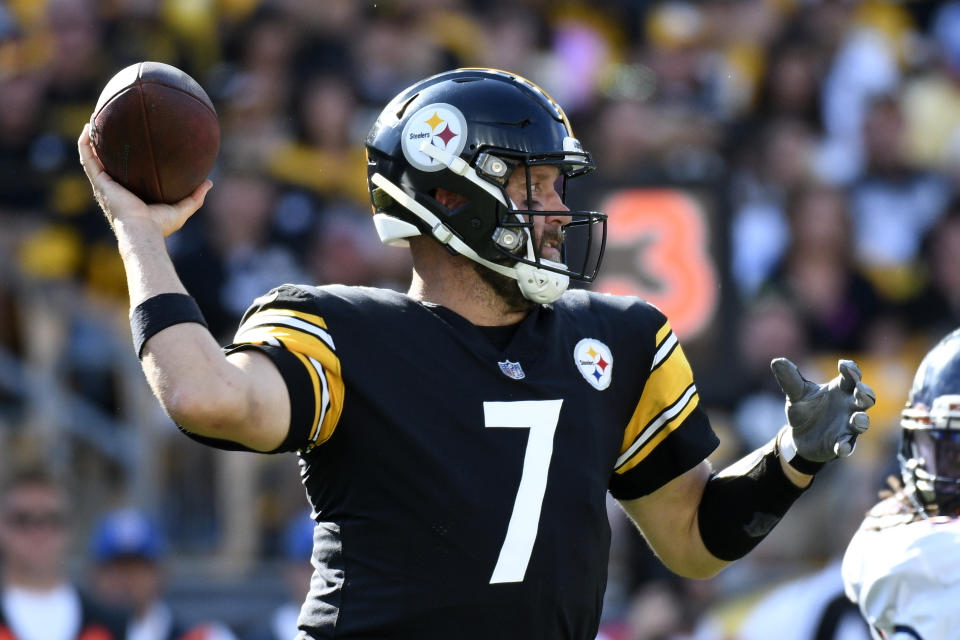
column 155, row 131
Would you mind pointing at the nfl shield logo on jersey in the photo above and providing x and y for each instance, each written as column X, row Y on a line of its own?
column 512, row 370
column 595, row 362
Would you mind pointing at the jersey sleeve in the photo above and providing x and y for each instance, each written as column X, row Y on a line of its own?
column 285, row 325
column 668, row 433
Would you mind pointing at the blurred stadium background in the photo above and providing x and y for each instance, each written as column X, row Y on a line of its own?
column 781, row 176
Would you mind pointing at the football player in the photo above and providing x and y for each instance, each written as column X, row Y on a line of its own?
column 902, row 568
column 457, row 442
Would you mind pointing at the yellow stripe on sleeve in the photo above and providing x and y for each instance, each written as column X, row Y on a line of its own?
column 304, row 322
column 664, row 387
column 664, row 431
column 662, row 333
column 306, row 344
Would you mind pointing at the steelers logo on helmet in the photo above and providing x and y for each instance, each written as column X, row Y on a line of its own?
column 439, row 124
column 595, row 362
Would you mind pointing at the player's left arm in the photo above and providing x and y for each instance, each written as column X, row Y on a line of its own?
column 700, row 522
column 668, row 518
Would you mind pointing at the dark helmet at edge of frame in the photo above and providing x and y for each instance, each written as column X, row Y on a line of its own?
column 930, row 431
column 466, row 131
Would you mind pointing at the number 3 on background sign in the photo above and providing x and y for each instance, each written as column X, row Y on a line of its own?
column 541, row 417
column 658, row 248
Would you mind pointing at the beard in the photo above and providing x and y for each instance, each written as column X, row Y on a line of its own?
column 507, row 288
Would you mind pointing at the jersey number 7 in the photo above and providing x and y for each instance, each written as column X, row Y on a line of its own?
column 541, row 417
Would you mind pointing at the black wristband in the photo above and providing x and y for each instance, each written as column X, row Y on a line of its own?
column 787, row 449
column 159, row 312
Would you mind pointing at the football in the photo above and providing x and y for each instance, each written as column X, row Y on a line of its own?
column 155, row 131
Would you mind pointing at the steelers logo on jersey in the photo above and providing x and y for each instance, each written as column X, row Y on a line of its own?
column 595, row 362
column 439, row 124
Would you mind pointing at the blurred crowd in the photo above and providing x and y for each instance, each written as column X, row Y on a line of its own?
column 826, row 133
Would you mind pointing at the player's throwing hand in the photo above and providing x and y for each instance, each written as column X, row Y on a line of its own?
column 120, row 205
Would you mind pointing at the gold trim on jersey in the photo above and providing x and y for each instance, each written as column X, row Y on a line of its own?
column 655, row 432
column 663, row 333
column 315, row 350
column 305, row 322
column 669, row 396
column 320, row 432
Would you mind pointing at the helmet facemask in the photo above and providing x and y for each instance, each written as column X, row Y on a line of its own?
column 579, row 242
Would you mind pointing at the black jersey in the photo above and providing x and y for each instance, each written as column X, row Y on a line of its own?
column 458, row 488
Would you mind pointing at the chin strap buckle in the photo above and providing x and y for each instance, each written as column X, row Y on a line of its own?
column 442, row 233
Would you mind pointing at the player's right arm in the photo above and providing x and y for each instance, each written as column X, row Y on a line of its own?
column 241, row 397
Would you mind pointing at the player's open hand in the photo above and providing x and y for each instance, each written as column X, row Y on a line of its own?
column 825, row 419
column 120, row 205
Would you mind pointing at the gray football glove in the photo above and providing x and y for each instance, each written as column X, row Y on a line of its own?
column 824, row 420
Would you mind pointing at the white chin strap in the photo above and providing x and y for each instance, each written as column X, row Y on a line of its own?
column 538, row 285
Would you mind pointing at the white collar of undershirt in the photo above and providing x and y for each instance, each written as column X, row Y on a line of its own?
column 43, row 615
column 155, row 623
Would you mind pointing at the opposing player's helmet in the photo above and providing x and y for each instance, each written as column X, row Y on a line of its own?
column 930, row 435
column 466, row 131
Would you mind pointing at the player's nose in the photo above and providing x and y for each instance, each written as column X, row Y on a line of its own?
column 558, row 215
column 554, row 202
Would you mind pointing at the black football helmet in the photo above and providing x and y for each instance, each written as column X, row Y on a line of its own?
column 930, row 435
column 466, row 131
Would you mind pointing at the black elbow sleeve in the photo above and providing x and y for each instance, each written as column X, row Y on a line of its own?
column 742, row 503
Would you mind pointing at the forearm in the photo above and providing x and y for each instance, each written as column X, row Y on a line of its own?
column 692, row 559
column 183, row 363
column 148, row 266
